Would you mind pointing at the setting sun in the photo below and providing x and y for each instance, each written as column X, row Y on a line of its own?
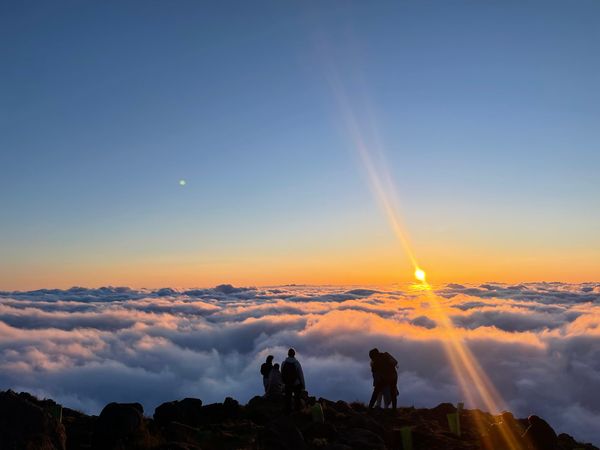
column 420, row 274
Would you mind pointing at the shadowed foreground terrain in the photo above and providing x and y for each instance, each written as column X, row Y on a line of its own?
column 27, row 423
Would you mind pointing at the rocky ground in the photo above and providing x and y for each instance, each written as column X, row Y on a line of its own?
column 27, row 423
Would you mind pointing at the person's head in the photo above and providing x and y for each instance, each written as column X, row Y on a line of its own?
column 270, row 359
column 291, row 352
column 373, row 353
column 276, row 366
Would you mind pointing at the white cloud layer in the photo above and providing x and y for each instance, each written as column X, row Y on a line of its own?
column 539, row 344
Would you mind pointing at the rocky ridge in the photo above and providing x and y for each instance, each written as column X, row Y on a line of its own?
column 27, row 423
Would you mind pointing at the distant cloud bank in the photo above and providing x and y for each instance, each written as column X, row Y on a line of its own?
column 539, row 344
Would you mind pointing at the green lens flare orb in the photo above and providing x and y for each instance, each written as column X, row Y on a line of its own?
column 182, row 182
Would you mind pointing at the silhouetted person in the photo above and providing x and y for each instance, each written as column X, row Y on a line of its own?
column 275, row 384
column 265, row 370
column 540, row 435
column 385, row 396
column 293, row 380
column 383, row 366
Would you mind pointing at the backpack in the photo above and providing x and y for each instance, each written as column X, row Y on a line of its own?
column 388, row 365
column 289, row 373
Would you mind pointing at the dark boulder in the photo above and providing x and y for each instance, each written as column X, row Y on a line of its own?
column 213, row 414
column 441, row 411
column 187, row 411
column 500, row 435
column 505, row 431
column 282, row 434
column 25, row 424
column 231, row 408
column 191, row 412
column 239, row 434
column 342, row 407
column 566, row 442
column 540, row 435
column 119, row 426
column 216, row 413
column 361, row 438
column 181, row 433
column 372, row 421
column 79, row 428
column 261, row 410
column 359, row 407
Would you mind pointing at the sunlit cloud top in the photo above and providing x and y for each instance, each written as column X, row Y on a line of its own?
column 538, row 343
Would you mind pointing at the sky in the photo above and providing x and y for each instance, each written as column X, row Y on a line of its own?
column 484, row 116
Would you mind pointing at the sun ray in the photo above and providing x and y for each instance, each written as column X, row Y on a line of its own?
column 471, row 378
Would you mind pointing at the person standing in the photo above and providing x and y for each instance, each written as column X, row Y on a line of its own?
column 293, row 380
column 385, row 395
column 385, row 376
column 265, row 370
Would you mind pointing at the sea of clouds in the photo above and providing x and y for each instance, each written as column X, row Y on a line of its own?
column 539, row 344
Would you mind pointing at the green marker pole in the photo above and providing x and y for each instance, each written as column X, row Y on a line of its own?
column 459, row 410
column 453, row 423
column 317, row 413
column 406, row 433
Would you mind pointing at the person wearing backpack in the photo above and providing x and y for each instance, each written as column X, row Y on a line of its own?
column 385, row 376
column 385, row 396
column 265, row 370
column 293, row 380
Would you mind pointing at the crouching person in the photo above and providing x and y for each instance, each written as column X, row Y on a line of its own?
column 275, row 384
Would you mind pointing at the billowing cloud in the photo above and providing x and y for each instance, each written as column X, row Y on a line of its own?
column 538, row 343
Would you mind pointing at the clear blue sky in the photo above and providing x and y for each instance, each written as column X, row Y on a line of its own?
column 489, row 114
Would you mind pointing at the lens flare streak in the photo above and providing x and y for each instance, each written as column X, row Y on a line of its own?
column 472, row 380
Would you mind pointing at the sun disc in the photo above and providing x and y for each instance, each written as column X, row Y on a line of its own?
column 420, row 274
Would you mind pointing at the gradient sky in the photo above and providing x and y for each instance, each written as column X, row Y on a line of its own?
column 487, row 115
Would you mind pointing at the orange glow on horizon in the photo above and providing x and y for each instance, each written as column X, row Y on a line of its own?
column 379, row 265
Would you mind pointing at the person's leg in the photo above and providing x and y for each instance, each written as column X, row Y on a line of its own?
column 376, row 392
column 387, row 396
column 297, row 395
column 288, row 399
column 265, row 383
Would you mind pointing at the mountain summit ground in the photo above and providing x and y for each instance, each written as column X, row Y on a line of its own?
column 27, row 423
